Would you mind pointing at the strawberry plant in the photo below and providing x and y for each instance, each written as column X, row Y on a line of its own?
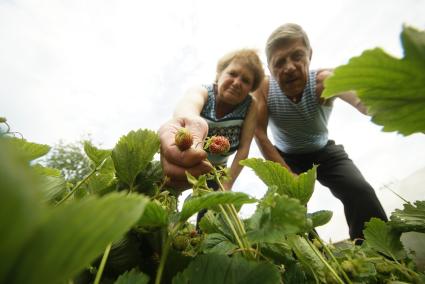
column 120, row 223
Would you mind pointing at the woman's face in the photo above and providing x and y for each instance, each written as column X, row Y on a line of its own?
column 234, row 83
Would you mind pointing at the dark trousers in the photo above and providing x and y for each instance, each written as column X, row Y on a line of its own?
column 338, row 172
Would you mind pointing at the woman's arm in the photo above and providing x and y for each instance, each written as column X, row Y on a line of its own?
column 192, row 102
column 247, row 134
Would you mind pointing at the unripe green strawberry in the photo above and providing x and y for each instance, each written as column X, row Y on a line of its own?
column 2, row 119
column 218, row 145
column 348, row 266
column 183, row 139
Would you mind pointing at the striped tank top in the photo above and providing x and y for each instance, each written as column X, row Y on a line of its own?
column 229, row 125
column 298, row 128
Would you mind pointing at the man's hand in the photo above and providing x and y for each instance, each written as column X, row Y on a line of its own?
column 174, row 162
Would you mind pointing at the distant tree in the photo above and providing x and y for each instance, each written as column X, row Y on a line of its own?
column 70, row 159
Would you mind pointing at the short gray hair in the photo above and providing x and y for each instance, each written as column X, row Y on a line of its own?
column 283, row 34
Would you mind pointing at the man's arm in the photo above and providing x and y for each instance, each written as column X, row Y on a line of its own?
column 266, row 147
column 350, row 96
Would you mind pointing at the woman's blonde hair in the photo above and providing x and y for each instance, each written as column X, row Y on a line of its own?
column 248, row 58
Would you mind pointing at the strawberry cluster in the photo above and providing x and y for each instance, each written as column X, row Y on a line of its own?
column 215, row 144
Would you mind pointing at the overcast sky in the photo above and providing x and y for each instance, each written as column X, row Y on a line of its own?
column 69, row 68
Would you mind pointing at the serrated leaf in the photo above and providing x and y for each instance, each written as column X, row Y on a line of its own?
column 46, row 171
column 411, row 218
column 133, row 153
column 20, row 206
column 320, row 218
column 212, row 269
column 271, row 173
column 392, row 89
column 28, row 151
column 154, row 215
column 97, row 156
column 272, row 222
column 100, row 182
column 413, row 42
column 52, row 183
column 72, row 235
column 217, row 243
column 211, row 200
column 383, row 239
column 53, row 187
column 149, row 178
column 213, row 222
column 132, row 277
column 306, row 255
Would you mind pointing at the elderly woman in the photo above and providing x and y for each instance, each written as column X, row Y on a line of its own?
column 227, row 106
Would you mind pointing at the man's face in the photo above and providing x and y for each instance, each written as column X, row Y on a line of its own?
column 289, row 65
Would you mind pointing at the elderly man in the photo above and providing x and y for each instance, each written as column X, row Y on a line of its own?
column 290, row 102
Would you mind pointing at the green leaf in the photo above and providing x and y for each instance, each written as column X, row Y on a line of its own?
column 271, row 173
column 46, row 171
column 148, row 179
column 411, row 218
column 53, row 188
column 133, row 153
column 212, row 269
column 124, row 255
column 214, row 223
column 217, row 243
column 320, row 218
column 380, row 237
column 273, row 220
column 74, row 234
column 97, row 155
column 20, row 206
column 100, row 182
column 306, row 255
column 29, row 151
column 154, row 216
column 132, row 277
column 392, row 89
column 213, row 199
column 413, row 42
column 52, row 183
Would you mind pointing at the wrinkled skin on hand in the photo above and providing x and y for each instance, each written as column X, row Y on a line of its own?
column 175, row 162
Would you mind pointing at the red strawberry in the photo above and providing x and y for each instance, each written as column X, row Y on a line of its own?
column 218, row 145
column 183, row 139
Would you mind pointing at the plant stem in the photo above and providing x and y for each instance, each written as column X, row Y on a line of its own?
column 102, row 264
column 165, row 250
column 81, row 182
column 319, row 255
column 240, row 237
column 332, row 256
column 226, row 216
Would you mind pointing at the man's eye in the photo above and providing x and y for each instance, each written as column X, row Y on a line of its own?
column 298, row 56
